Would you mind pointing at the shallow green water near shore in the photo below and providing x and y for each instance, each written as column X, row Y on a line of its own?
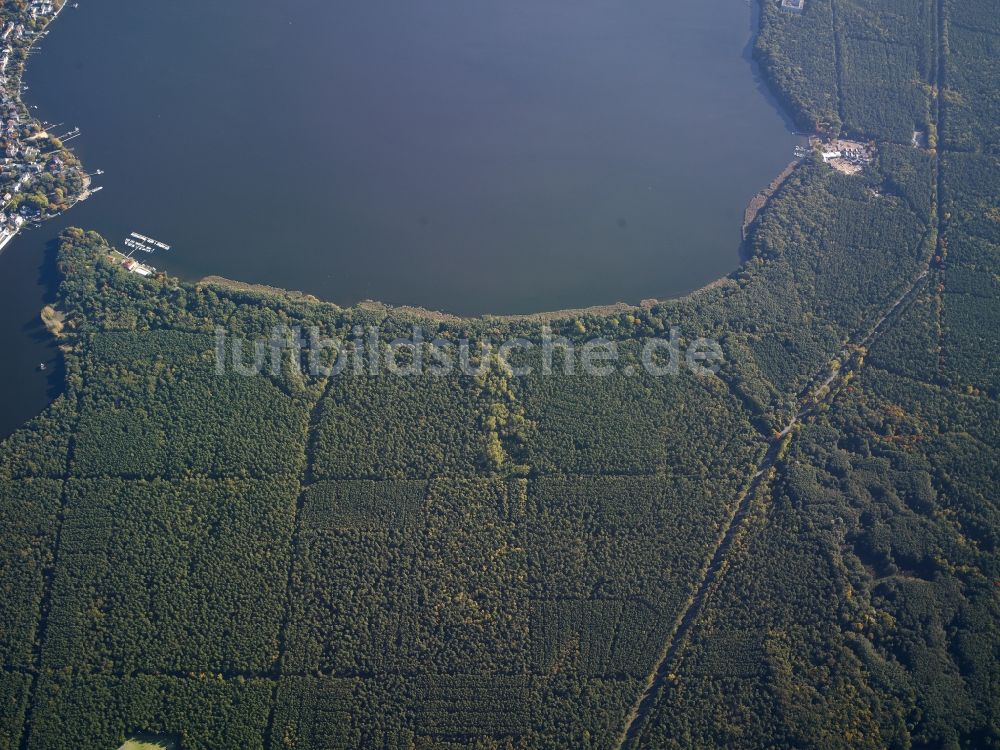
column 466, row 155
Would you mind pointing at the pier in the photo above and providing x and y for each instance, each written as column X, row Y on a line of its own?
column 136, row 241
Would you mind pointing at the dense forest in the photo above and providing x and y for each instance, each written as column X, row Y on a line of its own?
column 799, row 552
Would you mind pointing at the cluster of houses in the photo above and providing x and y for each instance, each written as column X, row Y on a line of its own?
column 23, row 161
column 16, row 170
column 42, row 9
column 849, row 157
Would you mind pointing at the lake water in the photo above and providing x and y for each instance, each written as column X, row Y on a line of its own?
column 465, row 155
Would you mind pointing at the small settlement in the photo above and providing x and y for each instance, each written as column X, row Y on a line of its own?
column 849, row 157
column 39, row 177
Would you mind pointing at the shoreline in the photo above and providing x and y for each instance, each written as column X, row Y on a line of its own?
column 762, row 197
column 755, row 205
column 753, row 209
column 415, row 311
column 8, row 239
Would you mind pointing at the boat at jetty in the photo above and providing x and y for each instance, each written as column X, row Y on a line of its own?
column 136, row 241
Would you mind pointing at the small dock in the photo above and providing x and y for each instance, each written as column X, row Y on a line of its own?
column 136, row 241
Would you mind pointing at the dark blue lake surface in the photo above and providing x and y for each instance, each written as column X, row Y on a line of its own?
column 466, row 155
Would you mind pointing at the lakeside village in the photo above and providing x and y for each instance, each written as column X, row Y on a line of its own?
column 39, row 177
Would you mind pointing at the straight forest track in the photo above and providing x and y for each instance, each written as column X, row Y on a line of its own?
column 823, row 383
column 306, row 479
column 48, row 581
column 816, row 393
column 838, row 63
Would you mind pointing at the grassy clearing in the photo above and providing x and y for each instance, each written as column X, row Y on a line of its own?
column 151, row 742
